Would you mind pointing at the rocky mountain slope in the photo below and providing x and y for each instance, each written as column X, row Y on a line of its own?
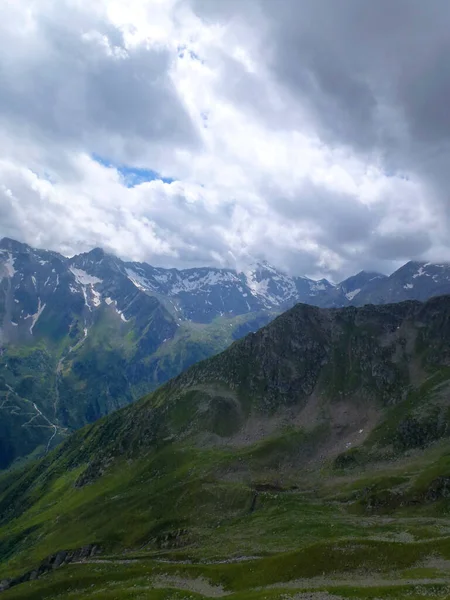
column 311, row 455
column 413, row 281
column 83, row 336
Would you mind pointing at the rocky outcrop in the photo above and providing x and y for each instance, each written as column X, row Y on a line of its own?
column 51, row 563
column 356, row 364
column 438, row 489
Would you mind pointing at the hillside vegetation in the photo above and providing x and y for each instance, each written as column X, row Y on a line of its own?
column 310, row 460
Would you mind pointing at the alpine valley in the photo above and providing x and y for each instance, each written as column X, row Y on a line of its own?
column 83, row 336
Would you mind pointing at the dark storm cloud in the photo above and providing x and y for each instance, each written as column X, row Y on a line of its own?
column 335, row 215
column 67, row 77
column 312, row 133
column 401, row 246
column 353, row 61
column 373, row 76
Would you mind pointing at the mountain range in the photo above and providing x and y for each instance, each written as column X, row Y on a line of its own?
column 310, row 460
column 83, row 336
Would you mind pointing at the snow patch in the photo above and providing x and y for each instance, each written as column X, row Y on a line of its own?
column 9, row 266
column 195, row 281
column 84, row 278
column 96, row 297
column 36, row 316
column 140, row 282
column 409, row 286
column 110, row 301
column 259, row 288
column 351, row 295
column 83, row 289
column 283, row 288
column 120, row 313
column 200, row 282
column 161, row 278
column 420, row 273
column 317, row 287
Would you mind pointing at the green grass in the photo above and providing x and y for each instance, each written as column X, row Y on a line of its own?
column 136, row 578
column 160, row 482
column 178, row 504
column 184, row 495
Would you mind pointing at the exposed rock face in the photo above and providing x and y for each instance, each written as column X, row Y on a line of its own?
column 439, row 488
column 336, row 372
column 52, row 562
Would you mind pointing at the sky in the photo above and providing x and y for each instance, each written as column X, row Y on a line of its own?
column 313, row 135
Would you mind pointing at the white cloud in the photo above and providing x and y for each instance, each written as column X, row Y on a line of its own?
column 200, row 97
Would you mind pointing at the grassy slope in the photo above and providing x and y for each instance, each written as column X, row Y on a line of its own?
column 184, row 503
column 373, row 523
column 175, row 500
column 97, row 375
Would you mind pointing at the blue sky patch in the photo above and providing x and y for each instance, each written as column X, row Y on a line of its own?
column 132, row 176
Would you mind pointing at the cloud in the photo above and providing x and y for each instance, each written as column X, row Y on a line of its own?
column 190, row 132
column 68, row 77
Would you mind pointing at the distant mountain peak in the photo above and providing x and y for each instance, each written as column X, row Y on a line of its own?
column 203, row 293
column 370, row 274
column 259, row 266
column 7, row 243
column 96, row 254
